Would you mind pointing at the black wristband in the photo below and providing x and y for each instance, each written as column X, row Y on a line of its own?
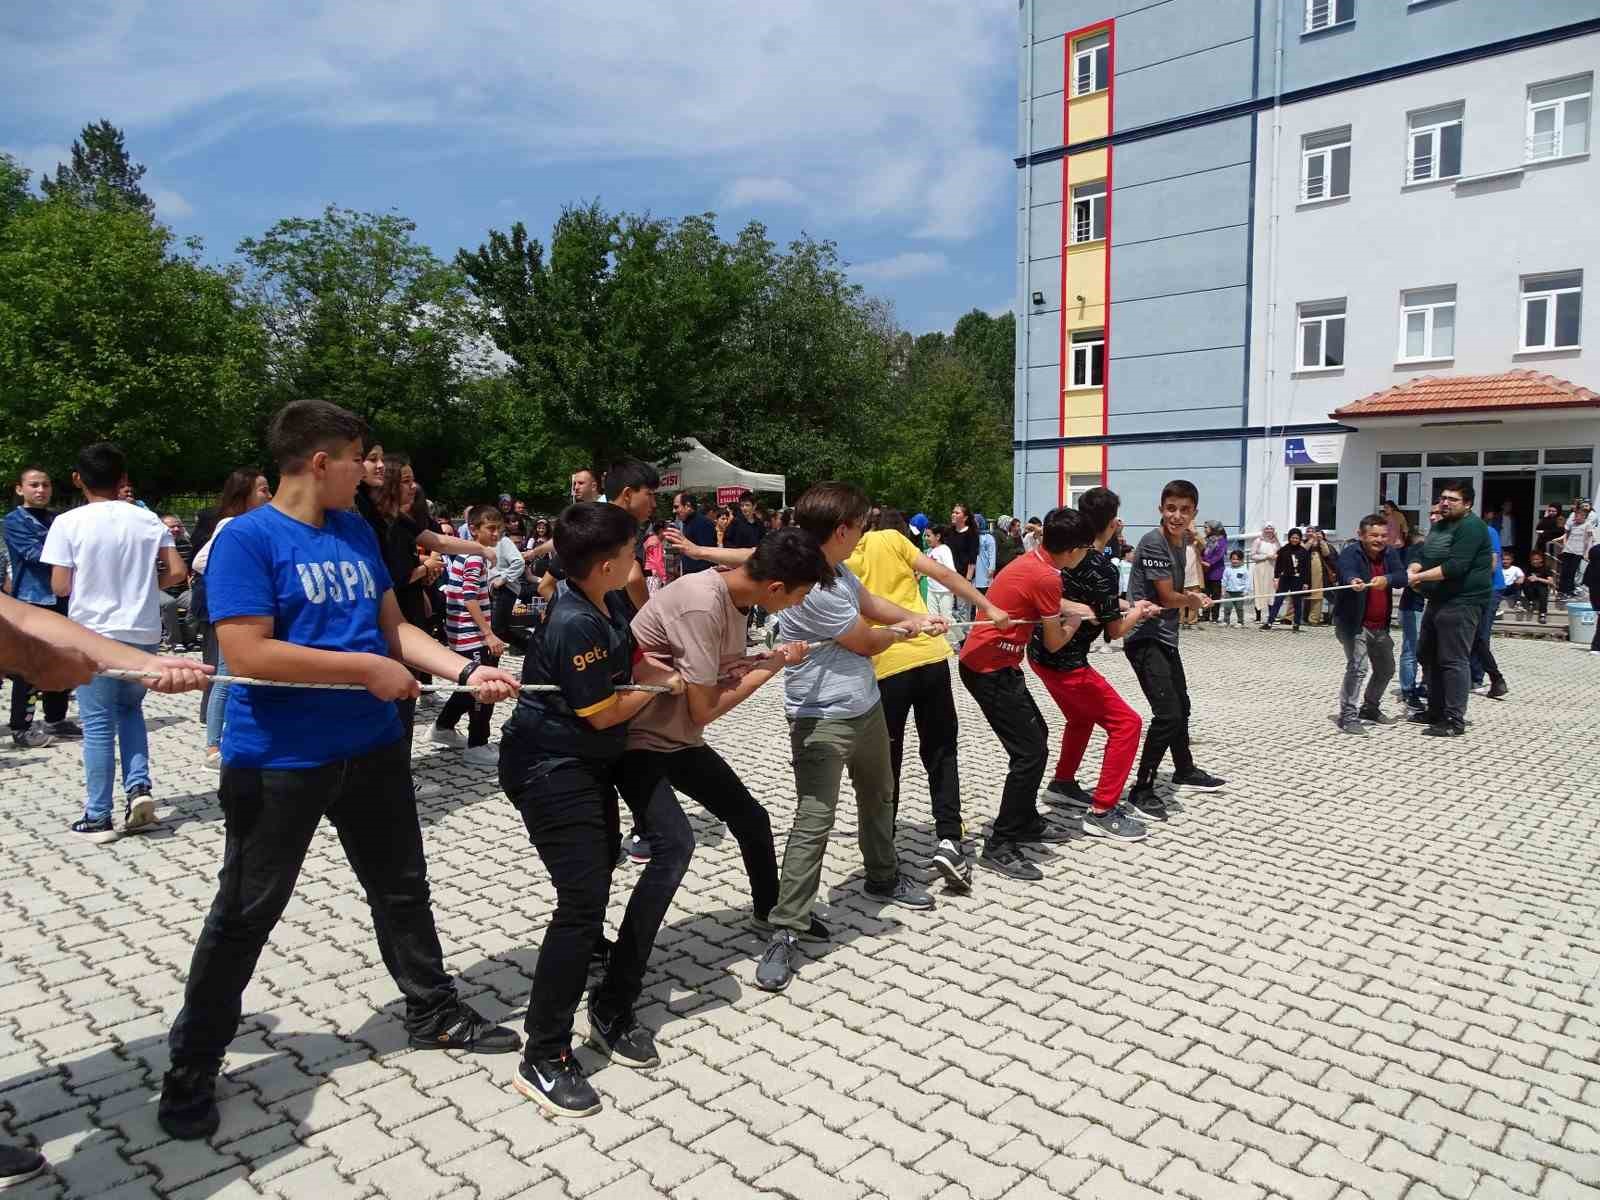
column 466, row 673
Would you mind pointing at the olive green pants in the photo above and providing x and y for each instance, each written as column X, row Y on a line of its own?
column 823, row 751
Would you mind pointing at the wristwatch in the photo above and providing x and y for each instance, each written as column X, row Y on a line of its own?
column 466, row 673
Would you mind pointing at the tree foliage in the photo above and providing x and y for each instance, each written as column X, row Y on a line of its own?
column 101, row 174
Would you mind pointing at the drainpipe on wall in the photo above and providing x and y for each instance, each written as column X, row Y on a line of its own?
column 1022, row 398
column 1270, row 379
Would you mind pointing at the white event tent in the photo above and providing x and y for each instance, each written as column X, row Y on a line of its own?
column 699, row 470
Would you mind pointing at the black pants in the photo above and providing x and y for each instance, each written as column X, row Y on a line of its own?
column 269, row 818
column 649, row 781
column 1537, row 595
column 505, row 599
column 1214, row 590
column 571, row 816
column 1008, row 706
column 466, row 702
column 55, row 703
column 1160, row 674
column 1483, row 660
column 925, row 692
column 1569, row 573
column 1444, row 652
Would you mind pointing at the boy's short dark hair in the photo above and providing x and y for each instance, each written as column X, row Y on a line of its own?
column 1099, row 507
column 1183, row 490
column 102, row 467
column 589, row 532
column 792, row 558
column 688, row 501
column 826, row 506
column 1066, row 529
column 1239, row 554
column 303, row 427
column 746, row 495
column 30, row 469
column 485, row 512
column 942, row 532
column 630, row 473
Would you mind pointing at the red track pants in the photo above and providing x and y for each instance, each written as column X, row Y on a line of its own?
column 1086, row 699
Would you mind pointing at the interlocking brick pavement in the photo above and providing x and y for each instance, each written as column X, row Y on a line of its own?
column 1361, row 970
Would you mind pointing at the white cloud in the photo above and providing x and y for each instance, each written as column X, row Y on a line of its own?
column 913, row 264
column 170, row 205
column 751, row 191
column 871, row 110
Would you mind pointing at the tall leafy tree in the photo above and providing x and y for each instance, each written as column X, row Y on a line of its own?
column 101, row 173
column 13, row 188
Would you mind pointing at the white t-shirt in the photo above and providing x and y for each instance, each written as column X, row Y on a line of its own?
column 112, row 547
column 1514, row 576
column 945, row 558
column 1580, row 536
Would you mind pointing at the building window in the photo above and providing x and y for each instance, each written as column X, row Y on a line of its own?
column 1322, row 335
column 1428, row 324
column 1552, row 306
column 1088, row 212
column 1089, row 359
column 1435, row 144
column 1324, row 14
column 1325, row 165
column 1558, row 118
column 1316, row 497
column 1077, row 485
column 1091, row 64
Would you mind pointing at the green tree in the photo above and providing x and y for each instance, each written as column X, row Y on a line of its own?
column 360, row 314
column 107, row 333
column 13, row 188
column 101, row 173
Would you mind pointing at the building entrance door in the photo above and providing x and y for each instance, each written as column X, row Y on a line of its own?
column 1519, row 488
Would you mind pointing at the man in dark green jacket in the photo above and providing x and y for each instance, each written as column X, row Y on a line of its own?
column 1456, row 575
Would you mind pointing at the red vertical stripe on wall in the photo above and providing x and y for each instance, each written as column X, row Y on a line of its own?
column 1111, row 121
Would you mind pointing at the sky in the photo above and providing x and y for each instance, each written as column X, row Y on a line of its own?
column 885, row 125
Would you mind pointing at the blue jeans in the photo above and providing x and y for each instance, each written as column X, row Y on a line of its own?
column 1410, row 623
column 217, row 706
column 112, row 712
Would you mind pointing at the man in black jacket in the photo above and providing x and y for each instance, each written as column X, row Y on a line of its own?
column 1361, row 619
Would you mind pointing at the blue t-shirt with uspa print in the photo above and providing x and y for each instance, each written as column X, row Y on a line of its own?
column 323, row 588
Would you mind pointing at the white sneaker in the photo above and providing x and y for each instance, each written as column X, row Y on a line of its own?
column 214, row 757
column 447, row 737
column 481, row 756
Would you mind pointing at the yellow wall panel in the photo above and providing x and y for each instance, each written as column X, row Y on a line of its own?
column 1083, row 460
column 1088, row 117
column 1086, row 404
column 1086, row 168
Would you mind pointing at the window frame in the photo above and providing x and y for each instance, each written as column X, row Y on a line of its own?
column 1435, row 131
column 1302, row 320
column 1559, row 105
column 1086, row 341
column 1528, row 295
column 1325, row 152
column 1094, row 50
column 1094, row 201
column 1332, row 19
column 1428, row 310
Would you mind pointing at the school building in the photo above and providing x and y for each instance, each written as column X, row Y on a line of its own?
column 1310, row 254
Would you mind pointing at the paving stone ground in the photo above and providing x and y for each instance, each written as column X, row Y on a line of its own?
column 1366, row 969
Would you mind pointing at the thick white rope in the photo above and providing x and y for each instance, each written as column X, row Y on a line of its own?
column 440, row 688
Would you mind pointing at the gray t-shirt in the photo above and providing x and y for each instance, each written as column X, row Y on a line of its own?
column 1155, row 558
column 833, row 682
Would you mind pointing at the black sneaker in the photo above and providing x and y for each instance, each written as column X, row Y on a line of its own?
column 1353, row 726
column 1065, row 793
column 1116, row 823
column 1144, row 800
column 17, row 1163
column 98, row 832
column 1045, row 833
column 63, row 729
column 953, row 865
column 1445, row 729
column 1498, row 689
column 469, row 1030
column 1415, row 702
column 138, row 809
column 1197, row 780
column 1423, row 717
column 623, row 1040
column 776, row 967
column 638, row 848
column 901, row 891
column 558, row 1086
column 1006, row 858
column 815, row 932
column 1373, row 715
column 188, row 1108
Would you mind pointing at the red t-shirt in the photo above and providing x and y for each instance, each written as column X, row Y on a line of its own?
column 1028, row 588
column 1377, row 613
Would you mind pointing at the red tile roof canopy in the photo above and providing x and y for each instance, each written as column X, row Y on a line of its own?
column 1513, row 390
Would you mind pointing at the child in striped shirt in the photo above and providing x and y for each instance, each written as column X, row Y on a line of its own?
column 467, row 628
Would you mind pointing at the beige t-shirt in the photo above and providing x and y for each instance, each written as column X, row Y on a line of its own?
column 693, row 627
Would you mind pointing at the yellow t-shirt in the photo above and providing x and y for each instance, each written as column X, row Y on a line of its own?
column 882, row 561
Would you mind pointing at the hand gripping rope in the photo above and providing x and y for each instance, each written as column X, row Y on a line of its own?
column 138, row 676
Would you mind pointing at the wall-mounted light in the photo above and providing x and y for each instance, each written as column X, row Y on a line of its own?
column 1080, row 298
column 1038, row 298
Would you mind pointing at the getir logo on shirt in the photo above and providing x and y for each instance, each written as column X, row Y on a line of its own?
column 581, row 662
column 337, row 581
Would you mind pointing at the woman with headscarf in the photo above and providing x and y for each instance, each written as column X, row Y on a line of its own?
column 1323, row 572
column 1215, row 559
column 1264, row 568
